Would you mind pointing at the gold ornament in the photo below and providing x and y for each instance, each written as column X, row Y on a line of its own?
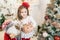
column 58, row 16
column 22, row 0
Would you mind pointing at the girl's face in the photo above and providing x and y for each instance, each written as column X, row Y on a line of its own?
column 24, row 12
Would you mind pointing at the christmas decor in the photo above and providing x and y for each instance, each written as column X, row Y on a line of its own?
column 50, row 29
column 56, row 37
column 2, row 19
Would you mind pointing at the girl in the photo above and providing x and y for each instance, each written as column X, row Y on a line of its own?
column 26, row 22
column 24, row 17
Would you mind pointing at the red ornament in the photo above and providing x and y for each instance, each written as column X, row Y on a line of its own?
column 5, row 24
column 56, row 37
column 25, row 4
column 46, row 17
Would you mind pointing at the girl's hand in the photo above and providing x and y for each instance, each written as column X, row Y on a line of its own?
column 12, row 35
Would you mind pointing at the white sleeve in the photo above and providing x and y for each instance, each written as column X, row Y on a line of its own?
column 33, row 22
column 9, row 31
column 13, row 30
column 15, row 22
column 34, row 25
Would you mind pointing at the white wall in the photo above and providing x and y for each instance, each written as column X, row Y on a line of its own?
column 38, row 11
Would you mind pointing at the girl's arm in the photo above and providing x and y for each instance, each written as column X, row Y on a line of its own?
column 12, row 35
column 34, row 24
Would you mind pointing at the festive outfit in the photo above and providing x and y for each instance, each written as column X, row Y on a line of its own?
column 11, row 29
column 27, row 36
column 24, row 36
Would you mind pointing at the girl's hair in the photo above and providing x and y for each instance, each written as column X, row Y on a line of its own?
column 19, row 12
column 24, row 5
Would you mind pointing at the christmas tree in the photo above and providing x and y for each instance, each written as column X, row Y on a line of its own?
column 2, row 19
column 50, row 29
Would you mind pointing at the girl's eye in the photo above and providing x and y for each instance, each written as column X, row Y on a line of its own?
column 25, row 11
column 21, row 12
